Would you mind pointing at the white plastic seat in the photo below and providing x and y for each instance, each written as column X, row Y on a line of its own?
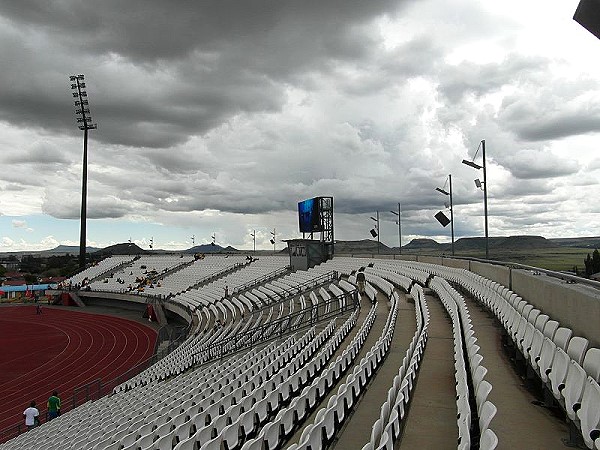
column 488, row 411
column 550, row 328
column 562, row 337
column 589, row 413
column 488, row 440
column 558, row 372
column 577, row 348
column 544, row 362
column 482, row 393
column 591, row 363
column 231, row 435
column 573, row 389
column 270, row 434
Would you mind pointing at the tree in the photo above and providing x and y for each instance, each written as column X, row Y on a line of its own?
column 592, row 263
column 29, row 278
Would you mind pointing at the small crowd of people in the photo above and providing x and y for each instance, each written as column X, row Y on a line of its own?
column 32, row 413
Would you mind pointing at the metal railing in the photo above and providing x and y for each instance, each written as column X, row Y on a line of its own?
column 275, row 329
column 260, row 280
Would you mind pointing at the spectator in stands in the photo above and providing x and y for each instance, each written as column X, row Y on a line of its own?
column 31, row 416
column 226, row 291
column 53, row 406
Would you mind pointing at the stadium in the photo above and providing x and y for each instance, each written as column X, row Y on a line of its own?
column 217, row 118
column 309, row 350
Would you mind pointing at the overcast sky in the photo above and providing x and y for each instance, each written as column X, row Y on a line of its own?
column 219, row 116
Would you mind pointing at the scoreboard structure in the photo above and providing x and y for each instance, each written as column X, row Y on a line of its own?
column 315, row 215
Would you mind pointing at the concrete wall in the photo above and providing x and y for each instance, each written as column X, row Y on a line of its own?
column 456, row 263
column 576, row 307
column 494, row 272
column 431, row 260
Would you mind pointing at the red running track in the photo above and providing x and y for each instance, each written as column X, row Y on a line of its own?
column 61, row 350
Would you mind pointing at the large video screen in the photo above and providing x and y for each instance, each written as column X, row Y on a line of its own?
column 309, row 215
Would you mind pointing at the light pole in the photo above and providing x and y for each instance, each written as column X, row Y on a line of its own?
column 451, row 207
column 399, row 223
column 193, row 238
column 479, row 185
column 375, row 231
column 274, row 238
column 151, row 243
column 86, row 124
column 253, row 234
column 213, row 238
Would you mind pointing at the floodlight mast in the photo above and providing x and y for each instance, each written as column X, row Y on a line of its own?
column 377, row 229
column 399, row 215
column 485, row 196
column 77, row 84
column 449, row 194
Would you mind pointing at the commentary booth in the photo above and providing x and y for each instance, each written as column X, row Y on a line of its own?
column 315, row 215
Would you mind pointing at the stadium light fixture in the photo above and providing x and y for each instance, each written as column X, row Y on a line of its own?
column 274, row 238
column 84, row 122
column 151, row 243
column 399, row 223
column 479, row 183
column 449, row 206
column 375, row 231
column 193, row 238
column 588, row 16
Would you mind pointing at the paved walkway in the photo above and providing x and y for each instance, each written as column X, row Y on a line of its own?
column 357, row 428
column 431, row 421
column 377, row 325
column 519, row 424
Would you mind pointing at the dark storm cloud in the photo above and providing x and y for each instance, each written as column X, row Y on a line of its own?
column 467, row 78
column 556, row 109
column 158, row 72
column 560, row 125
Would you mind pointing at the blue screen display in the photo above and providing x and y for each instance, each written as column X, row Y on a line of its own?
column 308, row 215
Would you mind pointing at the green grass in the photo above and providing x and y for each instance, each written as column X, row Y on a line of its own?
column 558, row 259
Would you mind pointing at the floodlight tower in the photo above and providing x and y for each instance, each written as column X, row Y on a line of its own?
column 483, row 185
column 253, row 234
column 274, row 238
column 375, row 231
column 85, row 120
column 451, row 207
column 399, row 223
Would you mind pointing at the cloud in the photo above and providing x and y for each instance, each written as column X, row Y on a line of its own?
column 532, row 164
column 216, row 115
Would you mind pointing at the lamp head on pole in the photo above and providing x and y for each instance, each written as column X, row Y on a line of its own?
column 442, row 191
column 472, row 164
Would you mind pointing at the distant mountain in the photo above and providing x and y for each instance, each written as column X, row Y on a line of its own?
column 580, row 242
column 73, row 249
column 504, row 243
column 462, row 244
column 418, row 244
column 126, row 248
column 211, row 248
column 362, row 246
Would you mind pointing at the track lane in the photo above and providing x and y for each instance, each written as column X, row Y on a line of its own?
column 71, row 348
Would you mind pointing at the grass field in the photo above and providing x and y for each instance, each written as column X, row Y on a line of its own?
column 557, row 258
